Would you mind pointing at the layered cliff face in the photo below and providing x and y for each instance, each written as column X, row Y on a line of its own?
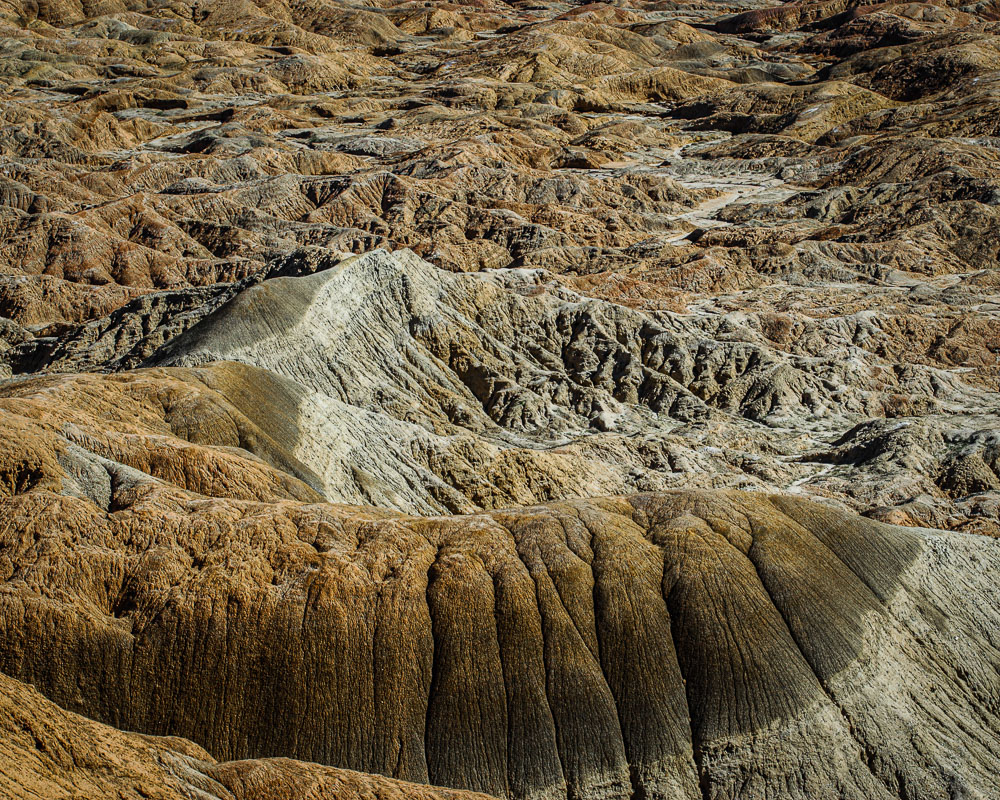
column 545, row 401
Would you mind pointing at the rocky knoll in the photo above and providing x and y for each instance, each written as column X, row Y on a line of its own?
column 679, row 644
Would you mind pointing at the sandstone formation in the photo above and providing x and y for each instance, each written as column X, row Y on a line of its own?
column 542, row 400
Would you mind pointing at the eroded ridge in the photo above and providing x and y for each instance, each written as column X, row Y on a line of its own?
column 444, row 392
column 410, row 387
column 797, row 204
column 674, row 644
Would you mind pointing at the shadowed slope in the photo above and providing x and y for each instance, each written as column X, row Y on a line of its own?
column 46, row 752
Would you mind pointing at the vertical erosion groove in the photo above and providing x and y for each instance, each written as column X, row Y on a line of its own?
column 403, row 651
column 826, row 627
column 639, row 659
column 533, row 765
column 467, row 714
column 584, row 715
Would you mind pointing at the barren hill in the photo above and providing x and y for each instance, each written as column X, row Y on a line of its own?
column 534, row 399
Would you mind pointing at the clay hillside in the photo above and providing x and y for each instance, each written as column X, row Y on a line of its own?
column 506, row 400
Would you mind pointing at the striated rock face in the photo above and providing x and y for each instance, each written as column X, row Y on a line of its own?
column 662, row 644
column 556, row 402
column 391, row 382
column 580, row 396
column 46, row 752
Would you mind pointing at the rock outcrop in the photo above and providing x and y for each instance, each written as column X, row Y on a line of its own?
column 801, row 223
column 395, row 383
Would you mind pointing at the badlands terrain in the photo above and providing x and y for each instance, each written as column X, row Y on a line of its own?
column 409, row 400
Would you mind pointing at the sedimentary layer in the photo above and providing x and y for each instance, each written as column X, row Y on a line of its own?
column 512, row 397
